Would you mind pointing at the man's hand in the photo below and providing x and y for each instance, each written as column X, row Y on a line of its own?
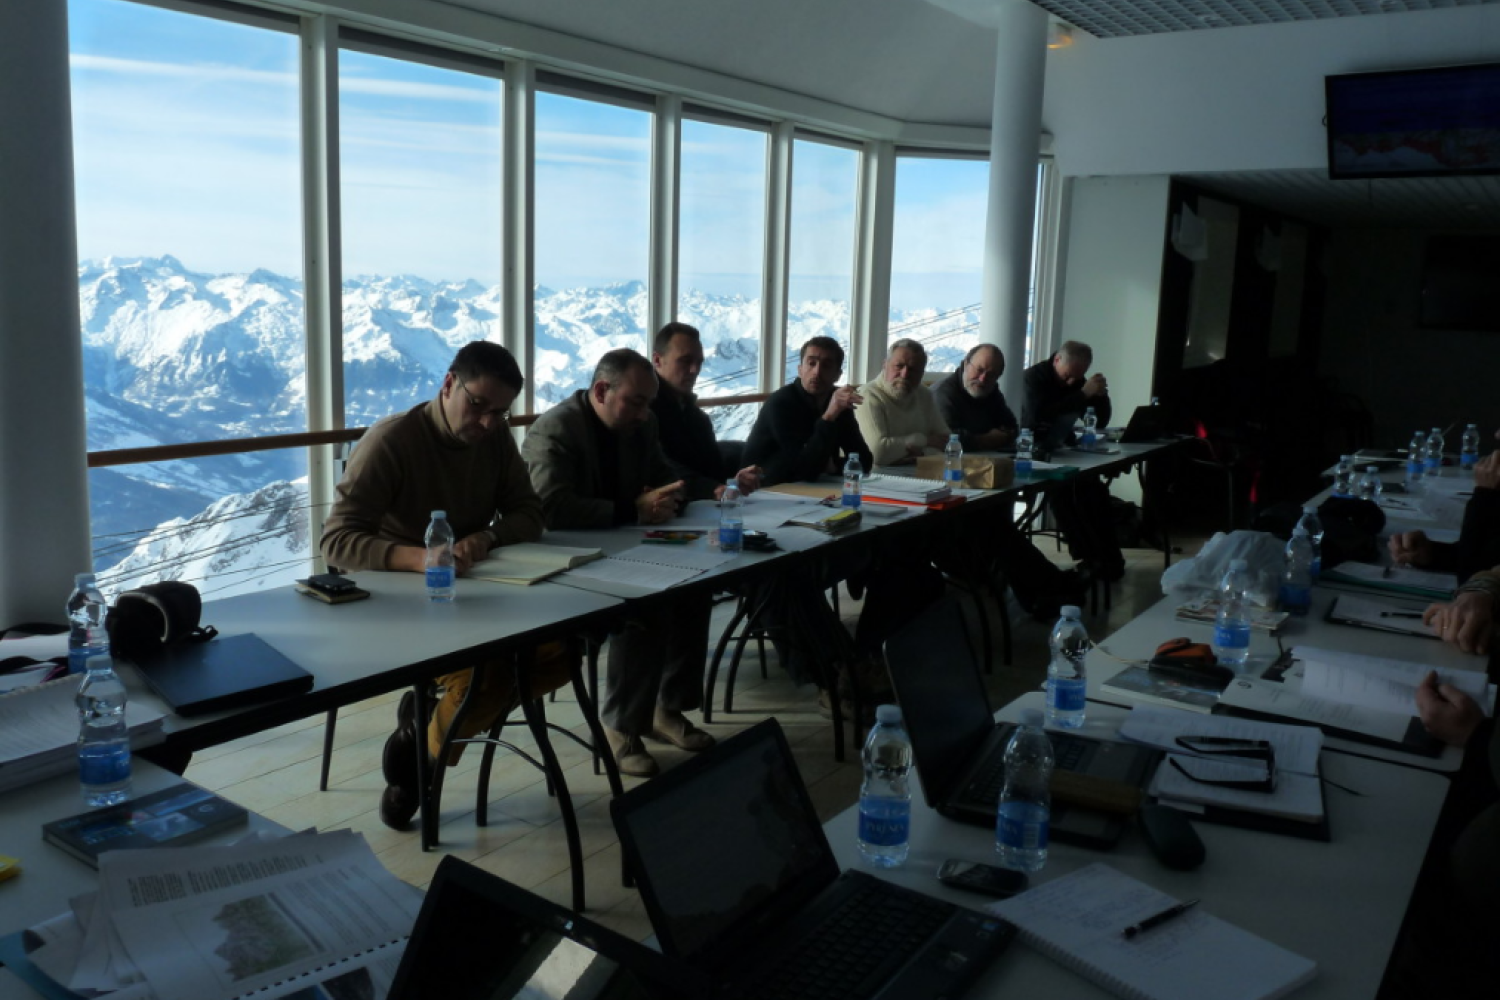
column 470, row 550
column 938, row 441
column 659, row 505
column 1487, row 472
column 749, row 478
column 1466, row 623
column 1410, row 548
column 843, row 398
column 1447, row 712
column 1095, row 385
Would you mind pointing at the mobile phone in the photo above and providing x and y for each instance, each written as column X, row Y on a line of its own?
column 986, row 879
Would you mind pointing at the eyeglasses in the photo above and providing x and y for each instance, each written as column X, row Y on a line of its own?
column 1254, row 760
column 475, row 403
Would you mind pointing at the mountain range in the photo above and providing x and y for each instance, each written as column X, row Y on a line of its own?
column 172, row 355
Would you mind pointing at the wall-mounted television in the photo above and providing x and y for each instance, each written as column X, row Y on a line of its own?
column 1414, row 123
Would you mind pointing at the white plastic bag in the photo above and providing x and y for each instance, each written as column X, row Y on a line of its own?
column 1265, row 554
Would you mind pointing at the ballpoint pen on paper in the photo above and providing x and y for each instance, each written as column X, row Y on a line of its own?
column 1157, row 919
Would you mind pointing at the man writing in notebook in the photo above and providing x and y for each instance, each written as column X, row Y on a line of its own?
column 596, row 462
column 452, row 453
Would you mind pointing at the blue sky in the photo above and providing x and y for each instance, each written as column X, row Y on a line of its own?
column 186, row 143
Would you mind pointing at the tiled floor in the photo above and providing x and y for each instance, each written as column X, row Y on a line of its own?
column 275, row 773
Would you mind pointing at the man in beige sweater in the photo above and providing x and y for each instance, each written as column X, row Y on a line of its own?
column 900, row 419
column 452, row 453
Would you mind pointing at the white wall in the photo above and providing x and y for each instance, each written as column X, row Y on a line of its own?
column 1234, row 99
column 1114, row 233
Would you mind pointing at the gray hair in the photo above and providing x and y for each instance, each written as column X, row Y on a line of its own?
column 907, row 344
column 615, row 365
column 1076, row 350
column 974, row 352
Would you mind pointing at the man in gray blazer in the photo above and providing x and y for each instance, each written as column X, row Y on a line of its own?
column 596, row 462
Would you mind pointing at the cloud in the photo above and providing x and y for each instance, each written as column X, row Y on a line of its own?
column 199, row 73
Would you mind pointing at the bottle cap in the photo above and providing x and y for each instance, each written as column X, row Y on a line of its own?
column 80, row 580
column 1072, row 611
column 1372, row 468
column 888, row 715
column 1031, row 717
column 443, row 514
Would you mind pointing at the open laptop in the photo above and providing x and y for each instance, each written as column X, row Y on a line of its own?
column 478, row 937
column 742, row 887
column 1147, row 423
column 958, row 745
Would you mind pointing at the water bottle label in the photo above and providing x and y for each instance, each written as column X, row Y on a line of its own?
column 1295, row 598
column 1022, row 826
column 851, row 499
column 1089, row 439
column 1316, row 568
column 1232, row 636
column 439, row 577
column 1066, row 695
column 1432, row 464
column 78, row 659
column 731, row 537
column 1467, row 460
column 104, row 765
column 885, row 823
column 1023, row 467
column 1414, row 469
column 954, row 476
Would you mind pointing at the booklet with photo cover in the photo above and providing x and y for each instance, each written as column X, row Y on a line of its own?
column 168, row 818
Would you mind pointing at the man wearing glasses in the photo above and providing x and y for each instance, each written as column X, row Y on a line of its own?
column 452, row 453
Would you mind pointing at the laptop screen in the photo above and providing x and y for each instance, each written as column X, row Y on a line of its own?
column 480, row 938
column 943, row 698
column 736, row 845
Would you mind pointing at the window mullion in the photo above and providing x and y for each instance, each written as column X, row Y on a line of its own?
column 518, row 129
column 777, row 255
column 666, row 171
column 874, row 229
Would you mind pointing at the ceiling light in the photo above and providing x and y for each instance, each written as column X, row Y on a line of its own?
column 1059, row 35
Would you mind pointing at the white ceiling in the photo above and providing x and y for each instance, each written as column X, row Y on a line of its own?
column 1119, row 18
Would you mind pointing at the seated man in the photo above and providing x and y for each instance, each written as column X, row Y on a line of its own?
column 453, row 453
column 596, row 462
column 899, row 420
column 1478, row 545
column 806, row 429
column 687, row 435
column 1056, row 395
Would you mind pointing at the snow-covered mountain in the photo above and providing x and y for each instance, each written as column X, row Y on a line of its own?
column 172, row 355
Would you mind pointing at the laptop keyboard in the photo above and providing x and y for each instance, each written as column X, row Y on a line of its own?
column 987, row 783
column 857, row 947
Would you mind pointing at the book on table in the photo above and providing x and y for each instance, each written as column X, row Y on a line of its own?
column 168, row 818
column 1205, row 609
column 1079, row 921
column 530, row 562
column 908, row 489
column 39, row 730
column 1195, row 692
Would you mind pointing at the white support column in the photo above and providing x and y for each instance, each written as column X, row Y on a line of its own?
column 1015, row 135
column 322, row 261
column 666, row 171
column 44, row 500
column 870, row 318
column 519, row 128
column 774, row 278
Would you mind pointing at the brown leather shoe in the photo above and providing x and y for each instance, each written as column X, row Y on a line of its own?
column 630, row 754
column 671, row 726
column 398, row 763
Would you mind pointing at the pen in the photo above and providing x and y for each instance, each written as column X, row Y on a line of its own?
column 1401, row 614
column 1157, row 919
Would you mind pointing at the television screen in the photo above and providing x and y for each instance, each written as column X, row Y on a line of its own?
column 1414, row 123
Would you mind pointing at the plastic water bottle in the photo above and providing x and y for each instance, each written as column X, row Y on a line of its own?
column 1370, row 484
column 1025, row 442
column 1469, row 452
column 1296, row 581
column 103, row 739
column 1232, row 626
column 885, row 797
column 1314, row 525
column 853, row 475
column 1416, row 461
column 731, row 518
column 1066, row 681
column 953, row 462
column 440, row 565
column 1343, row 477
column 1090, row 428
column 1026, row 801
column 86, row 614
column 1435, row 445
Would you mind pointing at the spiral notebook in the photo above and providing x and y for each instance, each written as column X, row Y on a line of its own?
column 1078, row 920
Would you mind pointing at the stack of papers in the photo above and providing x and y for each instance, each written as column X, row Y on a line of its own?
column 269, row 918
column 653, row 567
column 1378, row 683
column 908, row 489
column 39, row 731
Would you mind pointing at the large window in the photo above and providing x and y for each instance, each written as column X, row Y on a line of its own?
column 937, row 255
column 420, row 156
column 190, row 285
column 825, row 184
column 721, row 251
column 592, row 237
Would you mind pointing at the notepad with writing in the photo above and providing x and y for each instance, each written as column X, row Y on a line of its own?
column 1079, row 921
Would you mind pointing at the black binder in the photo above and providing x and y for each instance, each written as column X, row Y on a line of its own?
column 227, row 672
